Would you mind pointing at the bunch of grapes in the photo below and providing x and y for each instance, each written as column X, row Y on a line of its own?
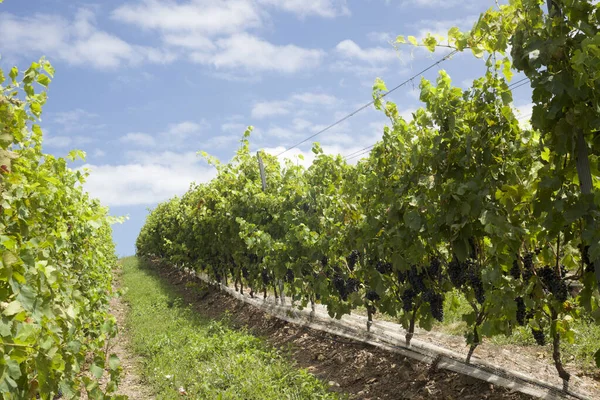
column 324, row 261
column 415, row 279
column 553, row 283
column 434, row 269
column 383, row 268
column 372, row 295
column 265, row 276
column 352, row 259
column 521, row 311
column 528, row 265
column 401, row 276
column 340, row 285
column 407, row 299
column 515, row 271
column 245, row 273
column 585, row 254
column 475, row 282
column 539, row 337
column 456, row 273
column 289, row 276
column 436, row 304
column 352, row 285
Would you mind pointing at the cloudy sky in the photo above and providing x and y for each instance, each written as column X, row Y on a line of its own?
column 142, row 85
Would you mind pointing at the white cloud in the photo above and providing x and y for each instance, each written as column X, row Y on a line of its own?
column 77, row 119
column 59, row 142
column 315, row 98
column 76, row 41
column 438, row 3
column 148, row 179
column 270, row 108
column 380, row 36
column 441, row 26
column 244, row 51
column 233, row 127
column 208, row 17
column 374, row 55
column 321, row 8
column 138, row 139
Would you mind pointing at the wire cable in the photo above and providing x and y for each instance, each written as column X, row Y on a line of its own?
column 447, row 56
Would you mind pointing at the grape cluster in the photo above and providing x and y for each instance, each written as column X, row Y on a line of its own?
column 585, row 254
column 539, row 337
column 415, row 279
column 352, row 285
column 475, row 282
column 434, row 269
column 456, row 273
column 521, row 311
column 265, row 276
column 515, row 271
column 436, row 304
column 528, row 265
column 253, row 258
column 245, row 273
column 324, row 261
column 553, row 283
column 383, row 268
column 401, row 276
column 340, row 285
column 372, row 295
column 352, row 259
column 407, row 299
column 289, row 276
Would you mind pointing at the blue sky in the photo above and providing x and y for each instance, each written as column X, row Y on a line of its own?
column 142, row 85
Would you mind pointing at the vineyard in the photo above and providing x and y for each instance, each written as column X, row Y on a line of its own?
column 461, row 200
column 462, row 197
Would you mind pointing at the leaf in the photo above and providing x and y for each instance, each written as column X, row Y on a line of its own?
column 113, row 362
column 413, row 40
column 14, row 72
column 400, row 39
column 12, row 308
column 96, row 371
column 43, row 80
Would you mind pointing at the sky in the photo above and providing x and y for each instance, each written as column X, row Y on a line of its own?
column 142, row 85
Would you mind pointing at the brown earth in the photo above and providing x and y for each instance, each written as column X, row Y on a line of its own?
column 360, row 370
column 132, row 384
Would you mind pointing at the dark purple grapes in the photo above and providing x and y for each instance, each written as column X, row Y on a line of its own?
column 528, row 267
column 265, row 276
column 372, row 295
column 401, row 276
column 352, row 285
column 352, row 259
column 407, row 299
column 415, row 279
column 521, row 311
column 436, row 304
column 245, row 273
column 383, row 268
column 456, row 273
column 434, row 269
column 585, row 254
column 324, row 261
column 515, row 271
column 475, row 282
column 289, row 276
column 553, row 283
column 539, row 337
column 340, row 285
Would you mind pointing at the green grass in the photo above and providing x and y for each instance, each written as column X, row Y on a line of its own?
column 207, row 358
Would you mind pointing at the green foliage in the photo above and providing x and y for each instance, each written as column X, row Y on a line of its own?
column 56, row 259
column 207, row 358
column 461, row 197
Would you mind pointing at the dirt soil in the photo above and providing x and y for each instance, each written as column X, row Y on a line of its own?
column 132, row 384
column 360, row 370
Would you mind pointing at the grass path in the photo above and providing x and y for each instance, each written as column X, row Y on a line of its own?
column 184, row 353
